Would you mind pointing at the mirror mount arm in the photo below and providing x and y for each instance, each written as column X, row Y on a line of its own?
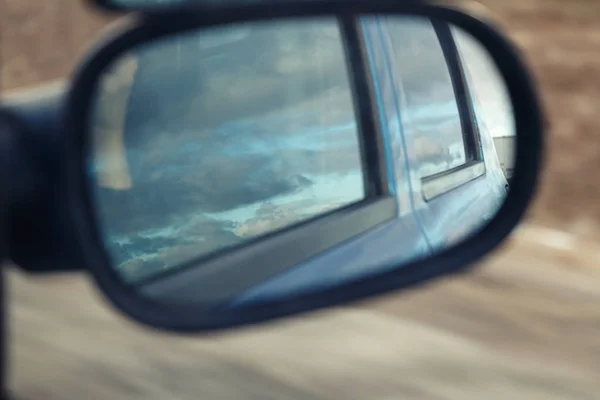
column 18, row 179
column 38, row 240
column 6, row 138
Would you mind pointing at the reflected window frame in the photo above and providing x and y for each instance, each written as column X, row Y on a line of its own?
column 440, row 183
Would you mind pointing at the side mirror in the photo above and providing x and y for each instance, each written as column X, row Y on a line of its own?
column 239, row 164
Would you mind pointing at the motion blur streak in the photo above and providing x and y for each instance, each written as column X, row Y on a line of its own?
column 522, row 327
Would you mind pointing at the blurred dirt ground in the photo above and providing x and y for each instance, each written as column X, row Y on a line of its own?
column 523, row 326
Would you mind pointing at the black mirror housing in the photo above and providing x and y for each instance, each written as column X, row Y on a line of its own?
column 311, row 238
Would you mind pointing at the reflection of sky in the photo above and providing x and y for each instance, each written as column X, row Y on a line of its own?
column 492, row 102
column 278, row 135
column 496, row 122
column 335, row 190
column 491, row 110
column 432, row 113
column 326, row 189
column 227, row 140
column 270, row 137
column 286, row 132
column 336, row 136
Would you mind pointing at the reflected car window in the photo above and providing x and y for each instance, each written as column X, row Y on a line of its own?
column 492, row 104
column 225, row 143
column 430, row 115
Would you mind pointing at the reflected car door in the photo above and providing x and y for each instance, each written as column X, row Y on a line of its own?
column 453, row 191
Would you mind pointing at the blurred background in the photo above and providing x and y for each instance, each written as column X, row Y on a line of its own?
column 526, row 325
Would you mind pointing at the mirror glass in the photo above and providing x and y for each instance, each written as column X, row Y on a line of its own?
column 212, row 142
